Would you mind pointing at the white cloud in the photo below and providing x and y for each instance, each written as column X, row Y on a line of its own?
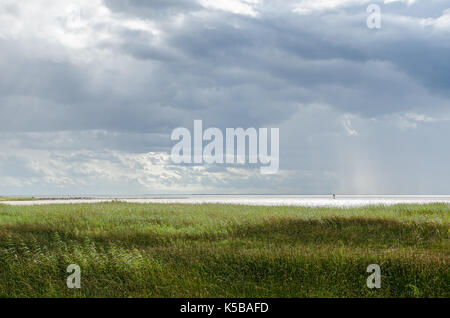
column 73, row 25
column 414, row 120
column 131, row 173
column 244, row 7
column 311, row 6
column 442, row 23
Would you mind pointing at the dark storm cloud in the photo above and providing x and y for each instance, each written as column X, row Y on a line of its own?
column 152, row 9
column 83, row 100
column 322, row 63
column 251, row 71
column 42, row 95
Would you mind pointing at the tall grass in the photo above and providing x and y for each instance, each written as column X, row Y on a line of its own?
column 210, row 250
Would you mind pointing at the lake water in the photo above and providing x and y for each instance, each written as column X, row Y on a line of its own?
column 264, row 200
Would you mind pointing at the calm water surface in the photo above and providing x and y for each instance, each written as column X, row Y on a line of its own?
column 265, row 200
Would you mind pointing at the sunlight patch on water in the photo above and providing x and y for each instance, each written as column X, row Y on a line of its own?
column 262, row 200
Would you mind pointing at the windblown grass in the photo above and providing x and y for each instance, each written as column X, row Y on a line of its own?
column 209, row 250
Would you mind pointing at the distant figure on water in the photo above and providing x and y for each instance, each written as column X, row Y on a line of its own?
column 334, row 196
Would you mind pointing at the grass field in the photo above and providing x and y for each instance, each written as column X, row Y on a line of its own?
column 208, row 250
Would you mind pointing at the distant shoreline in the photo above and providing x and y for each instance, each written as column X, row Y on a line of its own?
column 341, row 201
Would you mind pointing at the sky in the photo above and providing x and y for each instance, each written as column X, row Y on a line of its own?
column 91, row 90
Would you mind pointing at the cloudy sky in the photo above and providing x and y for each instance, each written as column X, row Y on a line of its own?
column 90, row 91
